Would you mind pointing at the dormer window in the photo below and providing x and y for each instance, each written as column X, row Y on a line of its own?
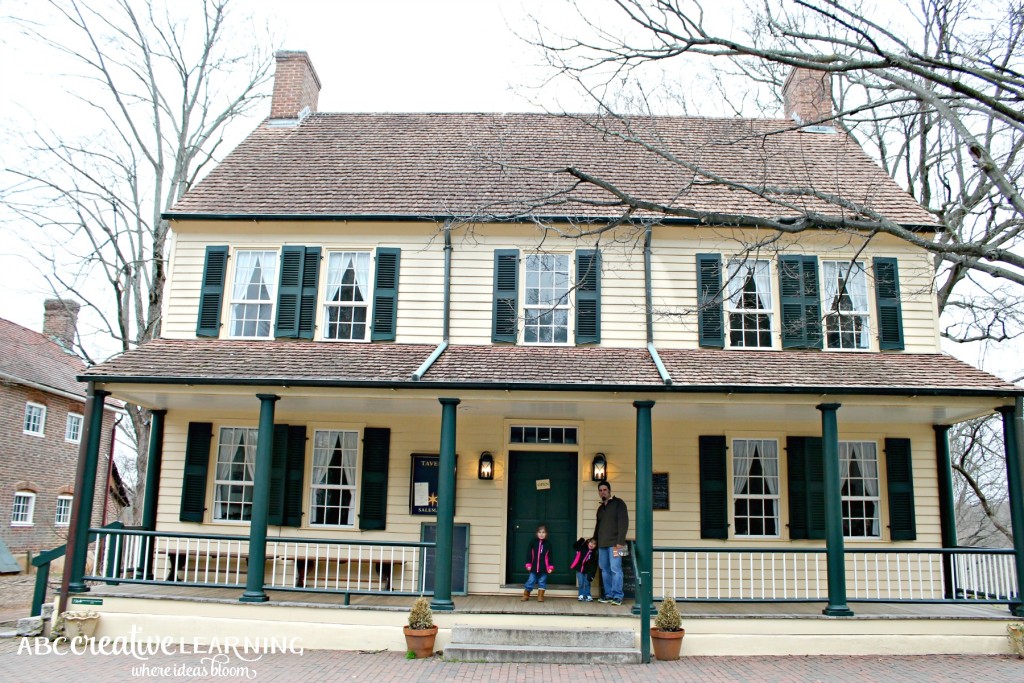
column 253, row 294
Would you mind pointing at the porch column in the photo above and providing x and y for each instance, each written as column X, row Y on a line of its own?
column 256, row 574
column 85, row 488
column 947, row 506
column 445, row 509
column 644, row 547
column 156, row 451
column 1013, row 433
column 836, row 561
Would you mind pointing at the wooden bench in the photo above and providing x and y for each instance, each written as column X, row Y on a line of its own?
column 354, row 574
column 201, row 563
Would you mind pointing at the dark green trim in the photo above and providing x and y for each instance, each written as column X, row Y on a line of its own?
column 505, row 309
column 550, row 386
column 947, row 505
column 295, row 471
column 588, row 296
column 888, row 304
column 279, row 462
column 710, row 306
column 643, row 550
column 256, row 574
column 1013, row 436
column 806, row 481
column 800, row 301
column 153, row 463
column 211, row 291
column 297, row 292
column 714, row 488
column 900, row 481
column 834, row 542
column 445, row 508
column 442, row 218
column 373, row 490
column 385, row 294
column 85, row 488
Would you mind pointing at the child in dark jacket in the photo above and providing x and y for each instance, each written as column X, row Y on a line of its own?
column 585, row 564
column 538, row 563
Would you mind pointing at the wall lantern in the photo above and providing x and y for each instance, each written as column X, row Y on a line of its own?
column 486, row 470
column 600, row 468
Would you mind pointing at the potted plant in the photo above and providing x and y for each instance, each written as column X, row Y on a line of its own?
column 420, row 633
column 667, row 634
column 80, row 624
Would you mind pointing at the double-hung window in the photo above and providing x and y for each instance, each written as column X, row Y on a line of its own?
column 858, row 471
column 233, row 483
column 253, row 293
column 35, row 419
column 845, row 305
column 750, row 304
column 546, row 312
column 73, row 430
column 23, row 508
column 63, row 516
column 755, row 487
column 332, row 498
column 347, row 305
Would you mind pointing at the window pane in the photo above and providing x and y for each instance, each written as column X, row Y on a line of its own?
column 253, row 292
column 333, row 484
column 858, row 467
column 546, row 301
column 348, row 295
column 755, row 487
column 749, row 303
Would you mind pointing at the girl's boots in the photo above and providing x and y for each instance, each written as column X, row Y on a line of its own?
column 526, row 596
column 540, row 595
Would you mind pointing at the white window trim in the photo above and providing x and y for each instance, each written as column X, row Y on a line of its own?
column 876, row 499
column 826, row 309
column 31, row 508
column 56, row 517
column 42, row 419
column 272, row 287
column 67, row 428
column 731, row 308
column 324, row 304
column 567, row 306
column 778, row 497
column 313, row 486
column 229, row 482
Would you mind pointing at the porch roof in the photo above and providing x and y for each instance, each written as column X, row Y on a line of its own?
column 543, row 368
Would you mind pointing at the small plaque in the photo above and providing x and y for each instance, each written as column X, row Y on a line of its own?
column 86, row 601
column 543, row 484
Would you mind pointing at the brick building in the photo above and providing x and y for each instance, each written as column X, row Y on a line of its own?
column 41, row 419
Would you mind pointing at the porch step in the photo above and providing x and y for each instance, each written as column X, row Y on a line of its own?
column 547, row 645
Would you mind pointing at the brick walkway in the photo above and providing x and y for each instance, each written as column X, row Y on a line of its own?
column 386, row 667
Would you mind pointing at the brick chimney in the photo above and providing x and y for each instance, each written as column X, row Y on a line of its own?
column 296, row 86
column 807, row 96
column 60, row 321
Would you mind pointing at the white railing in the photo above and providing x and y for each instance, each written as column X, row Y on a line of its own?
column 925, row 575
column 136, row 556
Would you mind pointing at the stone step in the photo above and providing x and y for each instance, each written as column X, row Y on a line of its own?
column 585, row 638
column 539, row 654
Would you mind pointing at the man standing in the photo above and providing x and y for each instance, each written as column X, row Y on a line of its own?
column 610, row 532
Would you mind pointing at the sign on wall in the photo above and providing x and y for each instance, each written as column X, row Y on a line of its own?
column 423, row 496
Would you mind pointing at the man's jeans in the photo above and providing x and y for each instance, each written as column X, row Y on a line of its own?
column 611, row 572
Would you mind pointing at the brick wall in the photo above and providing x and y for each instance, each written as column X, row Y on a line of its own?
column 808, row 94
column 46, row 464
column 296, row 86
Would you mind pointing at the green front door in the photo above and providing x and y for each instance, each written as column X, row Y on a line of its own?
column 542, row 489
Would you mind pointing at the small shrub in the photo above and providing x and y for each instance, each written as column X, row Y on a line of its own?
column 1015, row 633
column 409, row 654
column 420, row 616
column 668, row 618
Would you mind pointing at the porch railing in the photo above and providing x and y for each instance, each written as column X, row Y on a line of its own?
column 975, row 575
column 293, row 564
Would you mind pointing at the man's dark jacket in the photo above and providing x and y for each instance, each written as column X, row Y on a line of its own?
column 612, row 523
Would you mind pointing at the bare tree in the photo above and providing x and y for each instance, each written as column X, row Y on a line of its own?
column 937, row 100
column 160, row 85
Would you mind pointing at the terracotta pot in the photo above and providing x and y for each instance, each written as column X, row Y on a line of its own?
column 667, row 643
column 420, row 642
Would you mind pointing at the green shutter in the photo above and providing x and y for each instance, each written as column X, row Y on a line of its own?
column 714, row 490
column 373, row 493
column 296, row 293
column 890, row 309
column 506, row 295
column 211, row 293
column 385, row 294
column 278, row 460
column 295, row 471
column 197, row 465
column 801, row 302
column 806, row 478
column 710, row 317
column 900, row 474
column 588, row 296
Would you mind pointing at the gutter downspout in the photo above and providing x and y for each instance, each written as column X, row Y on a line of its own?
column 649, row 311
column 446, row 321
